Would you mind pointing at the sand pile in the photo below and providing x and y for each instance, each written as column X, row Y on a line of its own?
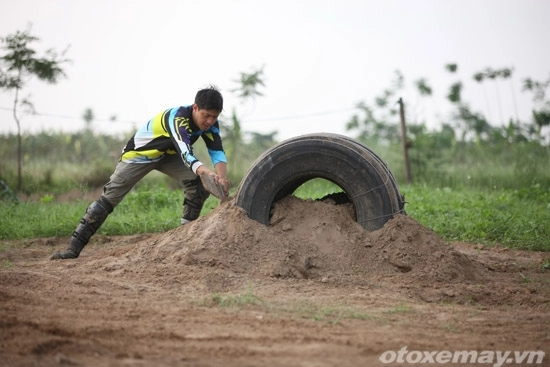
column 306, row 240
column 319, row 243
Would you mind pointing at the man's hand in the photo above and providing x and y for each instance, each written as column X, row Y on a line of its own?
column 224, row 182
column 213, row 185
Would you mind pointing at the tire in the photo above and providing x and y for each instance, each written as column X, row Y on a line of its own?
column 362, row 175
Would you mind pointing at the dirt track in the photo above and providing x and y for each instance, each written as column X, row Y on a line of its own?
column 314, row 289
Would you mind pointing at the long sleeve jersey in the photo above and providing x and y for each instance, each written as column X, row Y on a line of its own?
column 173, row 132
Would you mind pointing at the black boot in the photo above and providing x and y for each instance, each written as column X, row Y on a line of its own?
column 195, row 196
column 95, row 215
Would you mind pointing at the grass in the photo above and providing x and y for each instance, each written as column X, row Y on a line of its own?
column 400, row 308
column 303, row 309
column 508, row 217
column 512, row 218
column 239, row 300
column 144, row 210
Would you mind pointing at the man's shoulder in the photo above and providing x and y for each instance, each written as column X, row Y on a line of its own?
column 182, row 111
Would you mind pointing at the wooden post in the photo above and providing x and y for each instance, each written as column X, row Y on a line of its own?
column 404, row 142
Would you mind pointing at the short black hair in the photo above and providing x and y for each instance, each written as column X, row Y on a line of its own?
column 209, row 99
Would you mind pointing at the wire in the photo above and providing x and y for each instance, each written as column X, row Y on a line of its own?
column 313, row 114
column 265, row 119
column 68, row 117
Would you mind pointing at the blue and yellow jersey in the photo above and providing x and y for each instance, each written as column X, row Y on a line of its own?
column 173, row 132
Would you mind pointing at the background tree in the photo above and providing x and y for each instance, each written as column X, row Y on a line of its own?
column 541, row 110
column 480, row 78
column 18, row 65
column 88, row 117
column 470, row 122
column 247, row 89
column 379, row 121
column 424, row 89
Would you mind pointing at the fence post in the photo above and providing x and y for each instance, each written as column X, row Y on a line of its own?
column 404, row 142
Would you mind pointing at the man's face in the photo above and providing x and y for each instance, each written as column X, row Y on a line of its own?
column 204, row 118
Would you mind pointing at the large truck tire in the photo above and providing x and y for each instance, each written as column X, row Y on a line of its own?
column 363, row 176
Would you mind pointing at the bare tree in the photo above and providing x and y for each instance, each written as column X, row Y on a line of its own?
column 20, row 63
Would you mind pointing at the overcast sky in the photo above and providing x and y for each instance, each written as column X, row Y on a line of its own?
column 135, row 58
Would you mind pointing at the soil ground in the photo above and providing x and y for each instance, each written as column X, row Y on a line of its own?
column 312, row 289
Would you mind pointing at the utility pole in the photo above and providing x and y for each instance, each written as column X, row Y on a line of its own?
column 404, row 143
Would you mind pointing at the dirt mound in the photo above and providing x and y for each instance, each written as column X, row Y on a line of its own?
column 307, row 239
column 315, row 239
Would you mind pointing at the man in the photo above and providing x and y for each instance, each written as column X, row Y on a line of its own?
column 165, row 144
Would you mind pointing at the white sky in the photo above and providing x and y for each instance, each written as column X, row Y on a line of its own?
column 135, row 58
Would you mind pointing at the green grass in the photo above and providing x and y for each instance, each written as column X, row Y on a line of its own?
column 400, row 308
column 512, row 218
column 303, row 309
column 239, row 300
column 144, row 210
column 508, row 217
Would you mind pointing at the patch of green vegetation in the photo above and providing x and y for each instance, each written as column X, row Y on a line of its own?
column 524, row 278
column 7, row 263
column 238, row 300
column 143, row 210
column 303, row 309
column 512, row 218
column 401, row 308
column 316, row 188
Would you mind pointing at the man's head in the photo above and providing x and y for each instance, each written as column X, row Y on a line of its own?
column 207, row 107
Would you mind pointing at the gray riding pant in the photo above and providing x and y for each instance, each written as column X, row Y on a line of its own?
column 127, row 175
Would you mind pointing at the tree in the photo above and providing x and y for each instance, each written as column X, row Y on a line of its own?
column 470, row 121
column 249, row 84
column 372, row 125
column 423, row 87
column 248, row 88
column 17, row 66
column 88, row 117
column 451, row 68
column 480, row 78
column 494, row 74
column 541, row 112
column 455, row 93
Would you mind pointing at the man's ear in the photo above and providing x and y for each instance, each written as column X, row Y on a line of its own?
column 195, row 107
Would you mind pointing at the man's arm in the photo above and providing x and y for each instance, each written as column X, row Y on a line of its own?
column 214, row 145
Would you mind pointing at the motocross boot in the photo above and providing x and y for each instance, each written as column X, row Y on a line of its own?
column 94, row 217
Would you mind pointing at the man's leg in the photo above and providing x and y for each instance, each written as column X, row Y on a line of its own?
column 195, row 196
column 195, row 193
column 94, row 217
column 124, row 178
